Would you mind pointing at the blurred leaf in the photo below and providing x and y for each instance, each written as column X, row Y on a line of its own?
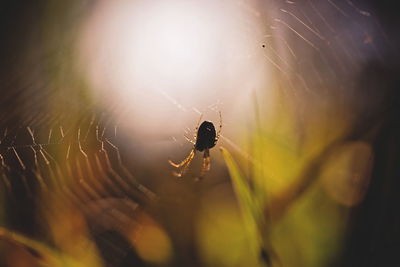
column 240, row 184
column 45, row 255
column 251, row 209
column 222, row 238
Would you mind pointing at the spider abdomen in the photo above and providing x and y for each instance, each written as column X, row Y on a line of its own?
column 206, row 136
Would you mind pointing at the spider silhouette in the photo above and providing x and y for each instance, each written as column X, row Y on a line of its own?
column 205, row 138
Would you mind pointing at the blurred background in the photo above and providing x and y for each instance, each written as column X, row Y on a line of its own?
column 97, row 96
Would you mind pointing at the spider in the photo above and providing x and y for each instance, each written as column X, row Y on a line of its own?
column 205, row 138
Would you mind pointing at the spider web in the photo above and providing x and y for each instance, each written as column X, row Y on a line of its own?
column 69, row 157
column 315, row 47
column 318, row 52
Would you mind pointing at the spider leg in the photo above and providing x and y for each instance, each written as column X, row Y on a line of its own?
column 220, row 127
column 184, row 164
column 206, row 164
column 197, row 127
column 185, row 167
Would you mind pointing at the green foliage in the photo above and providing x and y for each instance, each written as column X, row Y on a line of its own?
column 251, row 207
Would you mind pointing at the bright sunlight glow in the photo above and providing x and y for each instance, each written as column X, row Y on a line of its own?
column 172, row 56
column 174, row 44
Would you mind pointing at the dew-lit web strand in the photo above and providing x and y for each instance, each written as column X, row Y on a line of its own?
column 131, row 179
column 91, row 192
column 256, row 47
column 39, row 145
column 291, row 51
column 237, row 148
column 321, row 16
column 34, row 144
column 22, row 175
column 3, row 164
column 120, row 180
column 303, row 23
column 230, row 142
column 322, row 38
column 35, row 158
column 276, row 65
column 278, row 56
column 110, row 184
column 251, row 31
column 83, row 191
column 90, row 189
column 41, row 181
column 362, row 12
column 339, row 60
column 285, row 74
column 39, row 178
column 302, row 78
column 338, row 8
column 171, row 100
column 55, row 165
column 89, row 128
column 19, row 159
column 116, row 177
column 314, row 32
column 305, row 85
column 91, row 177
column 346, row 50
column 310, row 22
column 297, row 33
column 180, row 107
